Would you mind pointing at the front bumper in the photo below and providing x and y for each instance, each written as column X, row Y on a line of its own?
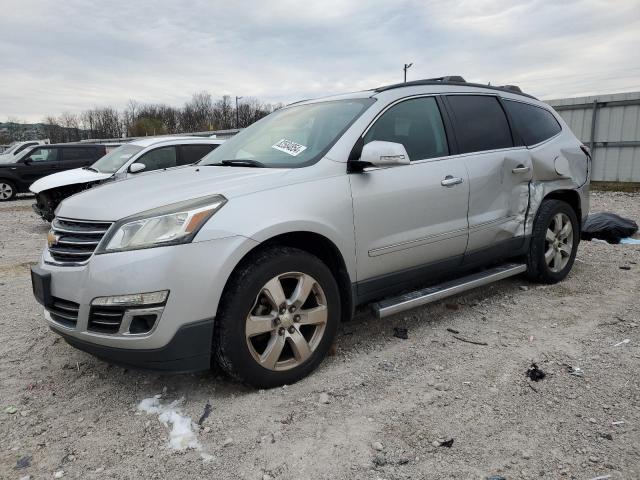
column 188, row 351
column 194, row 274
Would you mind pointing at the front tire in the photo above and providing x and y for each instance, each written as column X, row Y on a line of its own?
column 8, row 190
column 46, row 206
column 277, row 319
column 554, row 243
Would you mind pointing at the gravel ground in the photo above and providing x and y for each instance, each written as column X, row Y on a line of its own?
column 378, row 408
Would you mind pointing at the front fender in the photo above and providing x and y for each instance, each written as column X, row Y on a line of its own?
column 321, row 206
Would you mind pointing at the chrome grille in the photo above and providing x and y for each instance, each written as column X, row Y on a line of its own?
column 64, row 312
column 105, row 319
column 75, row 240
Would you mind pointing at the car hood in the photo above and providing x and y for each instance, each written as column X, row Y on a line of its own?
column 68, row 177
column 6, row 159
column 116, row 200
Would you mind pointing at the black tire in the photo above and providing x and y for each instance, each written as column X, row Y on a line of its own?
column 230, row 345
column 8, row 190
column 46, row 205
column 538, row 270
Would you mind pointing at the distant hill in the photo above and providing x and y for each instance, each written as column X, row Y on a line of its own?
column 10, row 131
column 16, row 132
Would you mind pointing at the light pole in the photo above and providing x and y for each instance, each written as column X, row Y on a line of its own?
column 407, row 66
column 237, row 116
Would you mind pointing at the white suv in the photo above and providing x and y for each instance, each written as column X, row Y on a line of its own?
column 400, row 196
column 147, row 154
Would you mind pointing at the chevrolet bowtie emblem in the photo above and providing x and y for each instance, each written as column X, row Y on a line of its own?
column 52, row 239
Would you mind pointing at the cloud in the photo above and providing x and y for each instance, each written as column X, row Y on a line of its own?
column 73, row 55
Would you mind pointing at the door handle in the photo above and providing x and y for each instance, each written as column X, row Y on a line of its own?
column 450, row 181
column 520, row 169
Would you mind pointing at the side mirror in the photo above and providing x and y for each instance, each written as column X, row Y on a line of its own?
column 28, row 161
column 136, row 167
column 384, row 154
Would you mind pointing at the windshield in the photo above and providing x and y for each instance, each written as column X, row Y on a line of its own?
column 116, row 158
column 296, row 136
column 11, row 149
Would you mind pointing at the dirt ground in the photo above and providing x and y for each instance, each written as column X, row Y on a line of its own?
column 379, row 408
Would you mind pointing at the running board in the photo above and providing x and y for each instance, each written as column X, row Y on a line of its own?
column 391, row 306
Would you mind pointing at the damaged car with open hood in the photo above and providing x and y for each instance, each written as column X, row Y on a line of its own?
column 393, row 197
column 142, row 155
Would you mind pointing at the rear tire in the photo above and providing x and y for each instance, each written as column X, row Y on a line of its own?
column 277, row 318
column 8, row 190
column 554, row 242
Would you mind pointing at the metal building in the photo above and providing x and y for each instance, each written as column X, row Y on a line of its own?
column 610, row 126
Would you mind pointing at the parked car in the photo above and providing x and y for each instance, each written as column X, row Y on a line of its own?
column 140, row 155
column 17, row 147
column 36, row 162
column 396, row 197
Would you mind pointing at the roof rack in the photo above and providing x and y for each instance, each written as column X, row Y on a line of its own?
column 453, row 80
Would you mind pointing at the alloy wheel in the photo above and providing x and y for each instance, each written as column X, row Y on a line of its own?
column 6, row 191
column 287, row 321
column 558, row 243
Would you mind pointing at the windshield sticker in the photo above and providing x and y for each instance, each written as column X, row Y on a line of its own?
column 126, row 155
column 287, row 146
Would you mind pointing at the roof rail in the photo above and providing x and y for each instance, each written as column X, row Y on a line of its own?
column 513, row 88
column 453, row 80
column 450, row 78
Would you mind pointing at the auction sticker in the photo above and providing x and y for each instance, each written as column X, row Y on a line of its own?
column 287, row 146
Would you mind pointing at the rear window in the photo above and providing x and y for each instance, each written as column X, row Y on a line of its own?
column 481, row 124
column 534, row 124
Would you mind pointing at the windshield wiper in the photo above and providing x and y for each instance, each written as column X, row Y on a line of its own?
column 242, row 163
column 92, row 169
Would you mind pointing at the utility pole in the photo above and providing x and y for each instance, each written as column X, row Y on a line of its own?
column 237, row 116
column 407, row 66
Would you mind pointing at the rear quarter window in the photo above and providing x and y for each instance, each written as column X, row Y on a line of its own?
column 480, row 123
column 534, row 124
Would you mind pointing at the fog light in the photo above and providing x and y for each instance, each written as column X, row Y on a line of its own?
column 135, row 299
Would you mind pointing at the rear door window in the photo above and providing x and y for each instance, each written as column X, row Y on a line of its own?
column 414, row 123
column 534, row 124
column 192, row 153
column 77, row 154
column 164, row 157
column 480, row 123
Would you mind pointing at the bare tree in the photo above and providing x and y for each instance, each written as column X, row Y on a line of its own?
column 224, row 113
column 70, row 127
column 53, row 130
column 200, row 113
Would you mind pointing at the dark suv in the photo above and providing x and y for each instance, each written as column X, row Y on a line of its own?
column 43, row 160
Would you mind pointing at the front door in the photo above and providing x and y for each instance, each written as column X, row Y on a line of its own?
column 40, row 162
column 413, row 217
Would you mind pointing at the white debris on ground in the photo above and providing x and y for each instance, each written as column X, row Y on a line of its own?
column 181, row 433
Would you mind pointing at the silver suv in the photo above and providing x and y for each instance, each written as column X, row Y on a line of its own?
column 393, row 197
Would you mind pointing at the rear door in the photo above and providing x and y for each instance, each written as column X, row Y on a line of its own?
column 409, row 218
column 193, row 152
column 499, row 173
column 76, row 157
column 38, row 163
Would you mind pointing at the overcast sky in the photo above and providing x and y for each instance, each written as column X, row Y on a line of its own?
column 71, row 55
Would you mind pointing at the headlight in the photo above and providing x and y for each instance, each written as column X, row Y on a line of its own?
column 170, row 225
